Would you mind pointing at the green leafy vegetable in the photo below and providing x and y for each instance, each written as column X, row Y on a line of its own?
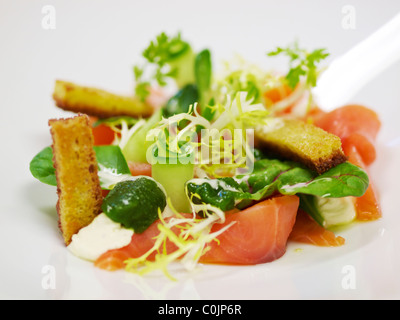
column 192, row 93
column 222, row 193
column 165, row 48
column 166, row 57
column 284, row 177
column 111, row 157
column 181, row 101
column 111, row 165
column 302, row 63
column 203, row 72
column 42, row 167
column 135, row 203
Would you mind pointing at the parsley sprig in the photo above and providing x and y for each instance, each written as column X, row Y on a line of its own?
column 158, row 56
column 302, row 63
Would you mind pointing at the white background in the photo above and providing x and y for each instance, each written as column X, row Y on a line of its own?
column 97, row 43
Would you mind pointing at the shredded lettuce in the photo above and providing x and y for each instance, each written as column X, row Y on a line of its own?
column 220, row 147
column 239, row 75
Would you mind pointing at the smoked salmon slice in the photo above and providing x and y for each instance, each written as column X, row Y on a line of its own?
column 141, row 243
column 307, row 230
column 355, row 125
column 259, row 234
column 368, row 205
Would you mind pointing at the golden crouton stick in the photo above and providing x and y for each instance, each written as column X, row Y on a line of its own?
column 302, row 142
column 78, row 185
column 96, row 102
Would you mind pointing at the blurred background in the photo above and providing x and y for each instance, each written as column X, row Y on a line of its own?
column 96, row 42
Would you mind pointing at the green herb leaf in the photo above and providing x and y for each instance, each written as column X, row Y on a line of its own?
column 165, row 49
column 302, row 63
column 165, row 57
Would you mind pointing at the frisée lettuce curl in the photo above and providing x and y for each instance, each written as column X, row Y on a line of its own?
column 190, row 235
column 187, row 143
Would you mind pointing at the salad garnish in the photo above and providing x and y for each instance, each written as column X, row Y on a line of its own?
column 303, row 64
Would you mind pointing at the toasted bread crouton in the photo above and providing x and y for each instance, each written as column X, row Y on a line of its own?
column 78, row 185
column 302, row 142
column 99, row 103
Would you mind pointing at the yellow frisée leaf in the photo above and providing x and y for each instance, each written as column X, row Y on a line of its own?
column 191, row 239
column 240, row 75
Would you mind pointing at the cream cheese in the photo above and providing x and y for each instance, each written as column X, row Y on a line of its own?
column 336, row 211
column 98, row 237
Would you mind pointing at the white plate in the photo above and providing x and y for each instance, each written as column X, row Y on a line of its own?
column 100, row 49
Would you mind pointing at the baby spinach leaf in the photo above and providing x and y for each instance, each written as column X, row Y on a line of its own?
column 222, row 193
column 203, row 70
column 181, row 101
column 203, row 75
column 284, row 177
column 343, row 180
column 42, row 167
column 110, row 157
column 111, row 163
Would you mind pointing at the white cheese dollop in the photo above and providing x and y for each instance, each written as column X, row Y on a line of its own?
column 101, row 235
column 336, row 211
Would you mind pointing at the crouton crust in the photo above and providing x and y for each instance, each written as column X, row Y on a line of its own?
column 96, row 102
column 78, row 185
column 302, row 142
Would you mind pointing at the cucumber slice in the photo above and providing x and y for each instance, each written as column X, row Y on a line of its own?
column 136, row 148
